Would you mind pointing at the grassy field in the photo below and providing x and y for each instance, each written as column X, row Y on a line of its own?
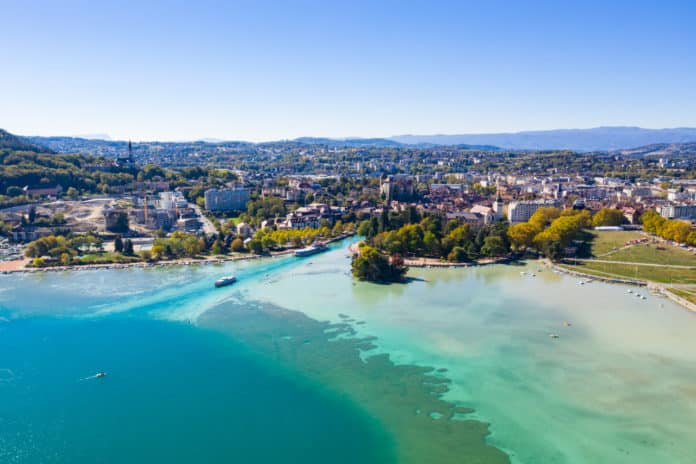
column 605, row 241
column 648, row 253
column 107, row 257
column 688, row 294
column 628, row 271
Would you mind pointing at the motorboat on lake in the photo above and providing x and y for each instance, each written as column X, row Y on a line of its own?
column 227, row 280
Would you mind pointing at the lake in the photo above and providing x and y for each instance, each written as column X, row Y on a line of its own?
column 299, row 362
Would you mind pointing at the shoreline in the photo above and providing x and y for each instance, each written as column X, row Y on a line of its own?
column 611, row 280
column 655, row 287
column 176, row 262
column 435, row 262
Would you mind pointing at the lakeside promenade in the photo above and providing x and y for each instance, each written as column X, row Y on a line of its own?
column 20, row 266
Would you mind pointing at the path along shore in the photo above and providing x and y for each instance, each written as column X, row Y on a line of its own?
column 354, row 248
column 20, row 266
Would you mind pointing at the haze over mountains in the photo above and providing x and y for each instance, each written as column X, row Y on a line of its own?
column 595, row 139
column 581, row 140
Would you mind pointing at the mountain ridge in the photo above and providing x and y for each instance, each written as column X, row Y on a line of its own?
column 603, row 138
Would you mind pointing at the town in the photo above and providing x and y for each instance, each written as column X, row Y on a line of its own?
column 231, row 200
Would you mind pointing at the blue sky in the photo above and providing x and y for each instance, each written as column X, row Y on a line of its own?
column 262, row 70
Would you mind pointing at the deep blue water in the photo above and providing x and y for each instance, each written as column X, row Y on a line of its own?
column 173, row 393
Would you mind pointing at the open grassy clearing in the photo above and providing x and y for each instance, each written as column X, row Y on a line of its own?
column 606, row 241
column 636, row 272
column 649, row 253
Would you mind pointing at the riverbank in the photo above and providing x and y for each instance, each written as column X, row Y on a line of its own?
column 20, row 266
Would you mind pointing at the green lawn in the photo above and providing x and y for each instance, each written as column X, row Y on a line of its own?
column 627, row 271
column 648, row 253
column 687, row 294
column 606, row 241
column 107, row 257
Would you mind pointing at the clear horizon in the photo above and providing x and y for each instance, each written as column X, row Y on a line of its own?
column 260, row 71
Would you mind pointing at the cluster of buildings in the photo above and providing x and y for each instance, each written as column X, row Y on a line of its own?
column 166, row 211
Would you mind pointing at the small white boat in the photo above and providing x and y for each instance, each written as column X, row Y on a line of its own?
column 227, row 280
column 629, row 291
column 100, row 374
column 553, row 335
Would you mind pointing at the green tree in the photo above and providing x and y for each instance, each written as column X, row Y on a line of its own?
column 118, row 244
column 65, row 259
column 216, row 248
column 494, row 246
column 522, row 235
column 652, row 221
column 458, row 255
column 237, row 245
column 608, row 217
column 128, row 247
column 256, row 246
column 373, row 266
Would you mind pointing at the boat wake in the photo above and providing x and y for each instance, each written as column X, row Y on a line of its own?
column 98, row 375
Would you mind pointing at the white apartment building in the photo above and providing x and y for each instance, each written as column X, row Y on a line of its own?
column 521, row 211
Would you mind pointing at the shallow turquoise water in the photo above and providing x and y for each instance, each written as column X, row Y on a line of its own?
column 617, row 386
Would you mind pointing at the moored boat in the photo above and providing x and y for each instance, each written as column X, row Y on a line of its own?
column 311, row 250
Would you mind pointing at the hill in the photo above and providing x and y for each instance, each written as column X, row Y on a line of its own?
column 584, row 140
column 348, row 142
column 665, row 150
column 12, row 142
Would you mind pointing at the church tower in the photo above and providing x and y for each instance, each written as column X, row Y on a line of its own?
column 126, row 160
column 498, row 205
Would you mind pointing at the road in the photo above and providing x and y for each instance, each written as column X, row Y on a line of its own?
column 208, row 226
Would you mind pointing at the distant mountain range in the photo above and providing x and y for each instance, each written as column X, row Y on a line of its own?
column 349, row 142
column 620, row 139
column 584, row 140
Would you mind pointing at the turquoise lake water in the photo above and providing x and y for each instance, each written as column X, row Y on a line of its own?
column 297, row 362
